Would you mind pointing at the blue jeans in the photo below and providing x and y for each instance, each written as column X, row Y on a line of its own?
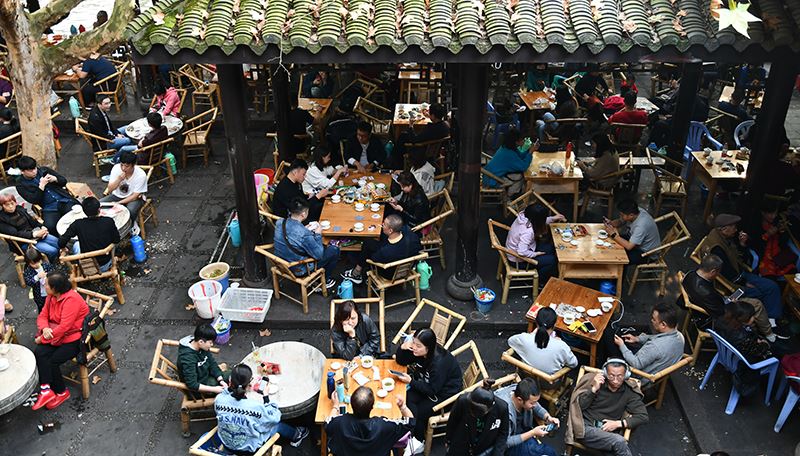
column 49, row 247
column 129, row 148
column 531, row 447
column 76, row 249
column 329, row 259
column 766, row 291
column 541, row 125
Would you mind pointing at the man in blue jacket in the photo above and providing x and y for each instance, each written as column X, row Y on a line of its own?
column 396, row 243
column 523, row 405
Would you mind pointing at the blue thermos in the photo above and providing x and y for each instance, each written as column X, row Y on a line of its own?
column 331, row 384
column 233, row 230
column 345, row 290
column 608, row 287
column 139, row 255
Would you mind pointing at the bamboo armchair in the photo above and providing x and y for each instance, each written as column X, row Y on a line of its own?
column 368, row 87
column 554, row 396
column 605, row 193
column 656, row 269
column 19, row 260
column 94, row 362
column 433, row 151
column 659, row 379
column 586, row 370
column 84, row 267
column 271, row 218
column 447, row 179
column 668, row 185
column 497, row 195
column 379, row 117
column 402, row 272
column 430, row 231
column 526, row 199
column 152, row 157
column 196, row 136
column 472, row 377
column 440, row 323
column 203, row 93
column 164, row 372
column 364, row 304
column 101, row 154
column 625, row 137
column 509, row 274
column 697, row 343
column 209, row 444
column 181, row 93
column 148, row 211
column 282, row 269
column 567, row 130
column 13, row 145
column 697, row 256
column 117, row 94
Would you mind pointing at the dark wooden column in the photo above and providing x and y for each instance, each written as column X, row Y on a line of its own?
column 280, row 98
column 233, row 89
column 472, row 88
column 687, row 92
column 769, row 132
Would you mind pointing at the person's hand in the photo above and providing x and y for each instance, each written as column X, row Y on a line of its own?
column 43, row 183
column 406, row 345
column 611, row 425
column 536, row 254
column 598, row 381
column 218, row 389
column 120, row 135
column 610, row 228
column 41, row 275
column 223, row 384
column 360, row 168
column 338, row 173
column 47, row 333
column 38, row 340
column 539, row 431
column 349, row 330
column 618, row 341
column 559, row 218
column 335, row 400
column 743, row 237
column 630, row 338
column 323, row 193
column 405, row 378
column 400, row 402
column 554, row 420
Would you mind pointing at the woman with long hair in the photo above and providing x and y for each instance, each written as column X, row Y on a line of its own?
column 245, row 424
column 321, row 173
column 353, row 333
column 736, row 326
column 413, row 206
column 433, row 376
column 605, row 161
column 542, row 349
column 530, row 237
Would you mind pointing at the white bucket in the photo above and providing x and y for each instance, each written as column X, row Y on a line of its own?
column 206, row 295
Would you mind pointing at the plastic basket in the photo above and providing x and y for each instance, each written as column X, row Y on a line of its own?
column 238, row 304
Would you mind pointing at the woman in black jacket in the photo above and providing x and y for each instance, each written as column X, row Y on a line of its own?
column 478, row 424
column 413, row 205
column 735, row 326
column 353, row 333
column 15, row 221
column 434, row 375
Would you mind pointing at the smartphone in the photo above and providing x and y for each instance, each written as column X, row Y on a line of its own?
column 735, row 295
column 550, row 428
column 397, row 373
column 589, row 327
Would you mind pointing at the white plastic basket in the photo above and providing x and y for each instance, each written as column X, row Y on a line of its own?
column 237, row 302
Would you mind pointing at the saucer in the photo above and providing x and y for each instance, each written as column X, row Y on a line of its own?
column 573, row 242
column 594, row 312
column 336, row 365
column 599, row 242
column 375, row 210
column 382, row 393
column 358, row 210
column 376, row 216
column 357, row 230
column 606, row 244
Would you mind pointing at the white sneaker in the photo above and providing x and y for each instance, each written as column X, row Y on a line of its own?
column 414, row 447
column 135, row 230
column 14, row 172
column 106, row 178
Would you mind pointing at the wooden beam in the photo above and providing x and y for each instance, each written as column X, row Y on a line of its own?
column 681, row 118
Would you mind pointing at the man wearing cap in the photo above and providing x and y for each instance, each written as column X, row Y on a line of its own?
column 727, row 242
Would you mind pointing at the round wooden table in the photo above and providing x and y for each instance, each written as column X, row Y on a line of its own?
column 20, row 379
column 301, row 373
column 139, row 128
column 116, row 211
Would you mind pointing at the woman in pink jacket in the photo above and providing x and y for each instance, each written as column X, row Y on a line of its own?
column 58, row 339
column 168, row 102
column 530, row 238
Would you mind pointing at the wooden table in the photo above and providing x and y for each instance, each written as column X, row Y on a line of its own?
column 557, row 291
column 587, row 260
column 711, row 175
column 72, row 79
column 792, row 288
column 139, row 128
column 343, row 216
column 318, row 107
column 80, row 190
column 646, row 105
column 409, row 76
column 543, row 183
column 324, row 404
column 530, row 97
column 727, row 92
column 20, row 379
column 399, row 123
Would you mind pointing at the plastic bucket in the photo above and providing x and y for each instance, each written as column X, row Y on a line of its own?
column 223, row 335
column 206, row 296
column 269, row 172
column 220, row 272
column 608, row 288
column 235, row 233
column 485, row 305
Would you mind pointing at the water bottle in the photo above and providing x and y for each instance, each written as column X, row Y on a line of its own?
column 331, row 384
column 340, row 391
column 235, row 234
column 171, row 159
column 74, row 107
column 139, row 254
column 345, row 290
column 346, row 378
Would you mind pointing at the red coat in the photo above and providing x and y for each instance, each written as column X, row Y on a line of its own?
column 169, row 103
column 64, row 316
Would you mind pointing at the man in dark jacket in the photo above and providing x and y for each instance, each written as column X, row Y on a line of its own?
column 397, row 242
column 437, row 129
column 8, row 126
column 196, row 365
column 291, row 187
column 100, row 124
column 365, row 151
column 478, row 425
column 94, row 233
column 357, row 434
column 45, row 187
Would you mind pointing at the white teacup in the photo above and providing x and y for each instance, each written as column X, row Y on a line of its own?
column 375, row 207
column 325, row 224
column 366, row 362
column 359, row 206
column 388, row 384
column 358, row 226
column 569, row 318
column 362, row 182
column 606, row 306
column 336, row 198
column 602, row 234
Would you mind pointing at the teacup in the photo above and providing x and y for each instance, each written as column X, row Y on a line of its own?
column 359, row 206
column 375, row 207
column 569, row 318
column 362, row 182
column 388, row 384
column 358, row 226
column 325, row 224
column 797, row 277
column 336, row 198
column 602, row 234
column 606, row 306
column 367, row 361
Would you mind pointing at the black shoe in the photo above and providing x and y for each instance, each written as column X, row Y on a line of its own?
column 330, row 284
column 302, row 433
column 352, row 276
column 781, row 332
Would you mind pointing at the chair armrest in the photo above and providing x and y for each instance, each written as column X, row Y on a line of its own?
column 104, row 153
column 82, row 256
column 17, row 239
column 508, row 356
column 107, row 78
column 685, row 360
column 420, row 256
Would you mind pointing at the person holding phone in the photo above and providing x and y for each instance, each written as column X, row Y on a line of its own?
column 478, row 424
column 524, row 411
column 434, row 375
column 642, row 235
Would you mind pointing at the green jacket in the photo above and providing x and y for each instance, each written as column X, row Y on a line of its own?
column 196, row 367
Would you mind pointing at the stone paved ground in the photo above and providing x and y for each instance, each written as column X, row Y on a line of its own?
column 127, row 415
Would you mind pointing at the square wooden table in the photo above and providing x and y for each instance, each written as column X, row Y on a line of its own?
column 530, row 97
column 543, row 183
column 317, row 107
column 588, row 260
column 711, row 175
column 70, row 79
column 324, row 403
column 343, row 216
column 557, row 291
column 398, row 123
column 646, row 105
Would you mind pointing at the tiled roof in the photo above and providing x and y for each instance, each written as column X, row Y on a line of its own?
column 456, row 25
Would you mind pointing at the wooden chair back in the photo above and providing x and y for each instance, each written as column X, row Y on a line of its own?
column 284, row 266
column 13, row 145
column 625, row 136
column 447, row 178
column 364, row 305
column 441, row 207
column 181, row 93
column 501, row 249
column 195, row 79
column 671, row 170
column 475, row 371
column 379, row 117
column 432, row 147
column 402, row 268
column 95, row 142
column 659, row 379
column 676, row 234
column 17, row 243
column 154, row 153
column 200, row 125
column 528, row 198
column 440, row 323
column 163, row 371
column 508, row 356
column 209, row 442
column 85, row 266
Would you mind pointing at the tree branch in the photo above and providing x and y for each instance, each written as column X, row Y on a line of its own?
column 51, row 13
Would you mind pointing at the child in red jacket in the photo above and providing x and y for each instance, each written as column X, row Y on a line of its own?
column 58, row 338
